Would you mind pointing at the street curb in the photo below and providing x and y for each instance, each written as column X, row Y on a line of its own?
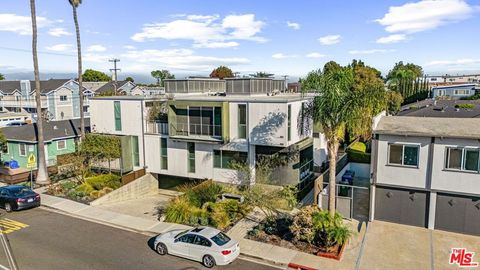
column 300, row 267
column 269, row 262
column 58, row 211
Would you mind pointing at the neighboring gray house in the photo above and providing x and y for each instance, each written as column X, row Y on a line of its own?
column 454, row 91
column 60, row 98
column 120, row 87
column 426, row 172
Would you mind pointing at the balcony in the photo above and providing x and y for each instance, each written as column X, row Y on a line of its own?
column 200, row 131
column 23, row 103
column 157, row 127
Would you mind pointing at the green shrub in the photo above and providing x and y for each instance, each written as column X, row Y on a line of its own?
column 67, row 185
column 359, row 157
column 178, row 211
column 358, row 146
column 465, row 106
column 98, row 182
column 218, row 216
column 330, row 231
column 95, row 194
column 302, row 226
column 474, row 97
column 234, row 209
column 207, row 191
column 85, row 188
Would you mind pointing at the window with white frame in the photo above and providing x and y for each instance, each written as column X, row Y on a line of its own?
column 461, row 92
column 22, row 150
column 61, row 145
column 462, row 159
column 403, row 154
column 63, row 98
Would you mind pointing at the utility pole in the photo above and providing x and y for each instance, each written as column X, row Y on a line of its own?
column 114, row 69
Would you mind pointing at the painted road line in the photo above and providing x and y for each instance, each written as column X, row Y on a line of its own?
column 8, row 225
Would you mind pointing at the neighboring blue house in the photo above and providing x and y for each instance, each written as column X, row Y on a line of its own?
column 454, row 91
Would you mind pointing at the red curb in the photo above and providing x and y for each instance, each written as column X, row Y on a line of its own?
column 300, row 267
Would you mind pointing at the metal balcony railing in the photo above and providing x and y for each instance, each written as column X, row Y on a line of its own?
column 197, row 129
column 157, row 127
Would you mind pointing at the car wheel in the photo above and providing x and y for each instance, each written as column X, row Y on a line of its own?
column 162, row 249
column 208, row 261
column 8, row 207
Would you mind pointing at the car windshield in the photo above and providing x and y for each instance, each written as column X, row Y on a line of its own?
column 19, row 191
column 220, row 239
column 180, row 234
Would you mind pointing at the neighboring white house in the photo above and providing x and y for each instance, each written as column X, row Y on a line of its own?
column 426, row 172
column 200, row 134
column 60, row 98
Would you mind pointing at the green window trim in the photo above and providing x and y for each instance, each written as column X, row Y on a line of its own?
column 163, row 154
column 289, row 122
column 135, row 151
column 118, row 115
column 191, row 157
column 242, row 121
column 222, row 159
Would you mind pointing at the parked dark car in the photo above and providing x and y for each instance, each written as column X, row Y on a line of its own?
column 18, row 197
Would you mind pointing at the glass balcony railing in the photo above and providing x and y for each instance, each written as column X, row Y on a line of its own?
column 182, row 129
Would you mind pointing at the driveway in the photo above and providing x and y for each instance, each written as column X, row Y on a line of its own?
column 396, row 246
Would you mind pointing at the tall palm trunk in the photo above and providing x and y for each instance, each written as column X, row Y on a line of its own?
column 80, row 91
column 332, row 184
column 42, row 173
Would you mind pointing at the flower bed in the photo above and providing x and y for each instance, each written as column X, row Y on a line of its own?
column 311, row 230
column 90, row 189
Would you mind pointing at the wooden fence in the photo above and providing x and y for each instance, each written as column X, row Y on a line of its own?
column 129, row 177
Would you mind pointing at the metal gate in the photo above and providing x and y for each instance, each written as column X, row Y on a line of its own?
column 350, row 201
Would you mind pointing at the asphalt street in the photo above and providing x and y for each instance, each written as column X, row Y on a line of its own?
column 41, row 239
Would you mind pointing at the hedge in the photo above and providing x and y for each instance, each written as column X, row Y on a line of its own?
column 359, row 157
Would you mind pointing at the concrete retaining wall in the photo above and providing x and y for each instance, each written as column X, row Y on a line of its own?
column 144, row 185
column 361, row 170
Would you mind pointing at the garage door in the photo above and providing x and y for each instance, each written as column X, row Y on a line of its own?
column 401, row 206
column 458, row 214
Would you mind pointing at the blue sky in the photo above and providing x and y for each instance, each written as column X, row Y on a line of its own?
column 285, row 38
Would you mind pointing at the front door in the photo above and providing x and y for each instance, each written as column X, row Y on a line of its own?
column 181, row 246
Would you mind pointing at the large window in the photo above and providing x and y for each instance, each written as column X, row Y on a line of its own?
column 224, row 159
column 206, row 121
column 163, row 154
column 403, row 155
column 191, row 157
column 289, row 122
column 463, row 159
column 242, row 121
column 136, row 153
column 118, row 115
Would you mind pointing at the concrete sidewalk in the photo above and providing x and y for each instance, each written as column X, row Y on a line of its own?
column 100, row 215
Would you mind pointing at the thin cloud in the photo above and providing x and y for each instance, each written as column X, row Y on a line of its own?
column 96, row 48
column 283, row 56
column 59, row 32
column 395, row 38
column 60, row 47
column 372, row 51
column 424, row 15
column 315, row 55
column 205, row 29
column 329, row 40
column 293, row 25
column 21, row 25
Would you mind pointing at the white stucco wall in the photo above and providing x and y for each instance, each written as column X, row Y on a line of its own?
column 102, row 119
column 467, row 182
column 64, row 107
column 320, row 151
column 399, row 175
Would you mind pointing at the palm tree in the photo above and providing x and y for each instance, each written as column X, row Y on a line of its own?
column 332, row 108
column 75, row 4
column 42, row 173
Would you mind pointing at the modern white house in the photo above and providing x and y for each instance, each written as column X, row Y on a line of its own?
column 198, row 135
column 60, row 98
column 426, row 172
column 454, row 91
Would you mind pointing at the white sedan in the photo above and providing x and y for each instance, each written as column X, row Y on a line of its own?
column 204, row 244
